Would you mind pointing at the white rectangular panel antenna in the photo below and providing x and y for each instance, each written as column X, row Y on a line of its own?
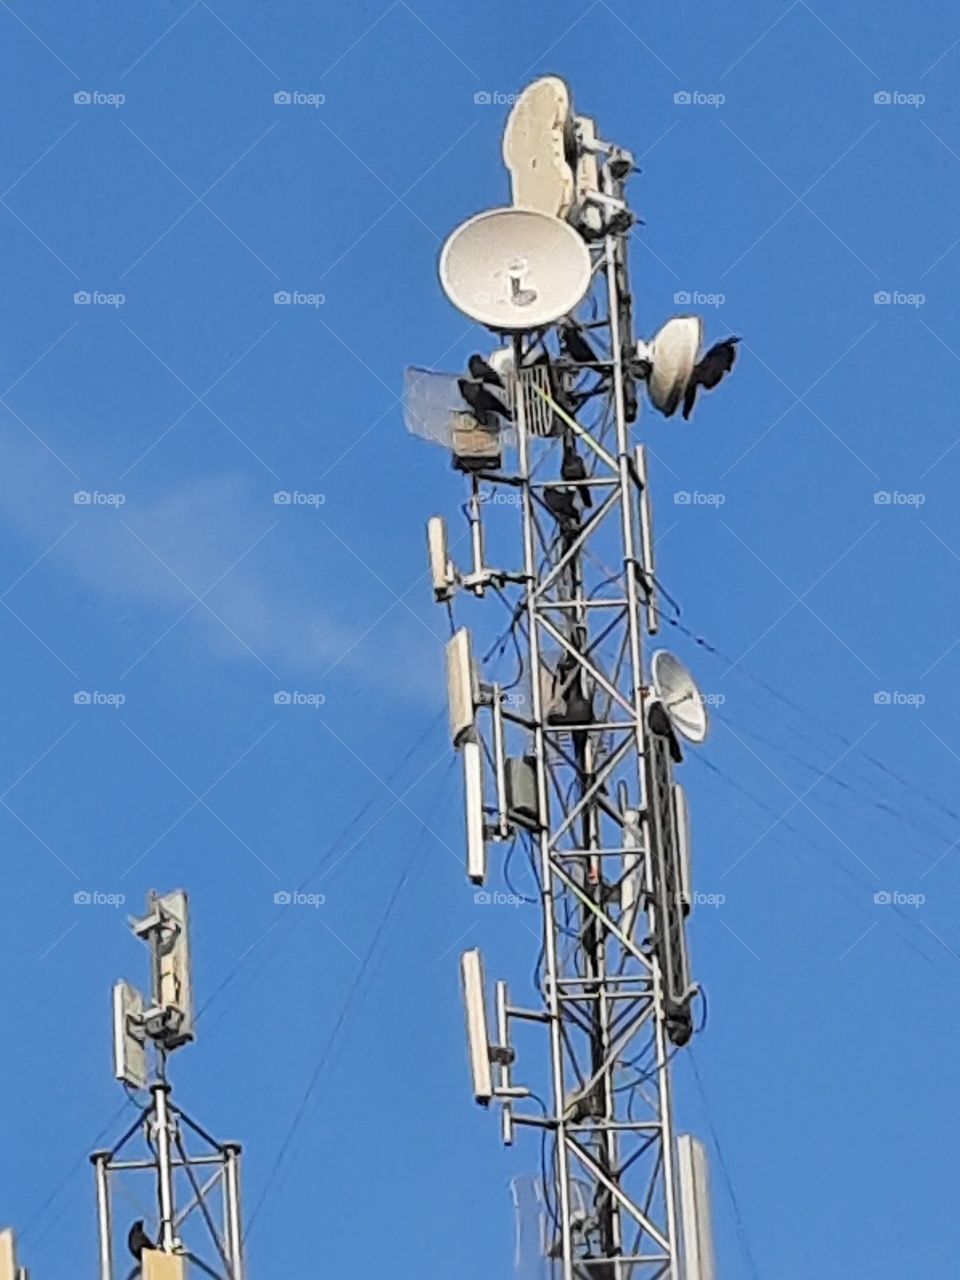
column 463, row 693
column 478, row 1035
column 631, row 888
column 681, row 819
column 473, row 797
column 506, row 1059
column 175, row 984
column 694, row 1183
column 647, row 555
column 8, row 1255
column 587, row 174
column 129, row 1037
column 441, row 570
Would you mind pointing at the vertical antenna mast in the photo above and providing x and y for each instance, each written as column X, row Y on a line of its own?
column 182, row 1161
column 579, row 767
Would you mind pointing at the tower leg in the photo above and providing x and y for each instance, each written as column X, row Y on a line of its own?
column 161, row 1094
column 100, row 1161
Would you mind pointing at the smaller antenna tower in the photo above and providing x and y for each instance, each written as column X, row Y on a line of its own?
column 188, row 1181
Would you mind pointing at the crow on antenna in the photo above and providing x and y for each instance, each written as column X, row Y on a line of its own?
column 562, row 505
column 718, row 361
column 483, row 372
column 138, row 1240
column 574, row 468
column 482, row 401
column 575, row 345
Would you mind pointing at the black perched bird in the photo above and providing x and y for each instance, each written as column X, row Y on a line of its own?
column 577, row 706
column 622, row 166
column 718, row 361
column 562, row 504
column 574, row 468
column 484, row 372
column 660, row 724
column 482, row 401
column 575, row 344
column 138, row 1240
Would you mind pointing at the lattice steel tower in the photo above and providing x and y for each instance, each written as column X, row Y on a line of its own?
column 574, row 759
column 187, row 1179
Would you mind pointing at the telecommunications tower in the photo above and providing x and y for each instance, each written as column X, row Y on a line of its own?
column 188, row 1182
column 572, row 758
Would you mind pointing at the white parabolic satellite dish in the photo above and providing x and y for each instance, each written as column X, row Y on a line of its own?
column 682, row 699
column 673, row 353
column 515, row 269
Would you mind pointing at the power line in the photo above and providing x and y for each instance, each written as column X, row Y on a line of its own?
column 327, row 855
column 725, row 1173
column 407, row 872
column 809, row 716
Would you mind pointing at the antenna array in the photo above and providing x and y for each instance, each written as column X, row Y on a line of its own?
column 576, row 760
column 164, row 1147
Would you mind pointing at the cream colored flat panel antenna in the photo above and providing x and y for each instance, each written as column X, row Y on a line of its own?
column 515, row 270
column 129, row 1037
column 588, row 175
column 441, row 570
column 478, row 1034
column 462, row 692
column 535, row 142
column 681, row 818
column 473, row 794
column 693, row 1177
column 156, row 1265
column 647, row 544
column 631, row 883
column 176, row 986
column 8, row 1255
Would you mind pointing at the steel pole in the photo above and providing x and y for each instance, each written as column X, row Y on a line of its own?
column 161, row 1097
column 231, row 1153
column 100, row 1160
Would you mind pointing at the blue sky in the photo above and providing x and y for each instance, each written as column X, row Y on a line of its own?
column 787, row 196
